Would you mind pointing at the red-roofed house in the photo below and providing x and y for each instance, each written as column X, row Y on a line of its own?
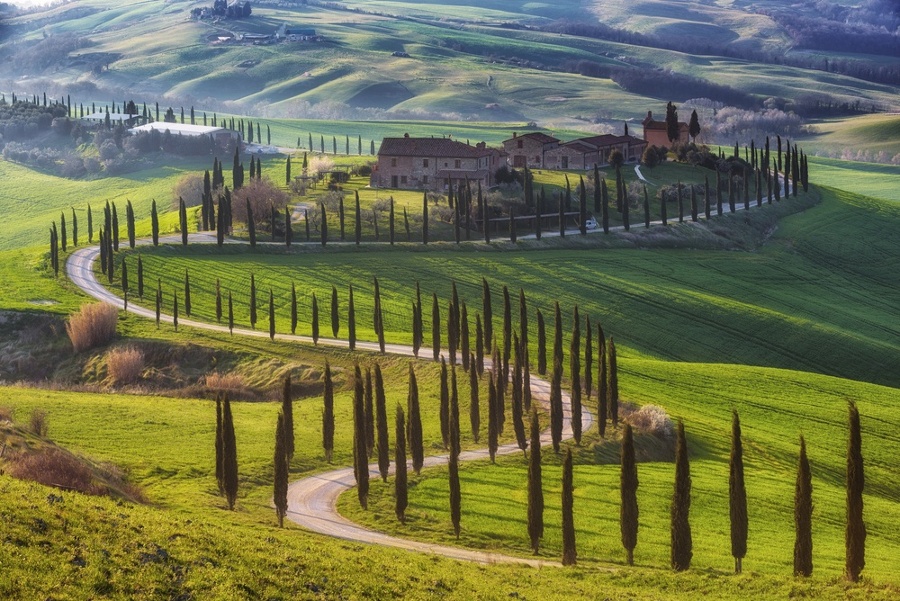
column 655, row 132
column 431, row 163
column 584, row 153
column 529, row 149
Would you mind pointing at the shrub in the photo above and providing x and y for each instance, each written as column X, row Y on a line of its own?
column 6, row 415
column 124, row 365
column 652, row 419
column 219, row 382
column 54, row 467
column 93, row 325
column 37, row 423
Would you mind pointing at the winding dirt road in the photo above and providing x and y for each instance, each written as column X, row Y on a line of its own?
column 312, row 501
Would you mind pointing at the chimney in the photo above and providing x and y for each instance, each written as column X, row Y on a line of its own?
column 405, row 135
column 649, row 115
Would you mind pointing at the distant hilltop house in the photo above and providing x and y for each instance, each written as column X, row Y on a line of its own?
column 539, row 150
column 656, row 133
column 223, row 8
column 100, row 117
column 296, row 34
column 221, row 136
column 420, row 163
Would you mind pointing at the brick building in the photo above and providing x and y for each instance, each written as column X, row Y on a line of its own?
column 432, row 163
column 655, row 132
column 529, row 149
column 585, row 153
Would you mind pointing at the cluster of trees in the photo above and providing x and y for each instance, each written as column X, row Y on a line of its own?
column 333, row 147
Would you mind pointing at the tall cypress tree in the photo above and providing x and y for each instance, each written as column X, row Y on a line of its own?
column 377, row 317
column 253, row 301
column 737, row 495
column 381, row 425
column 487, row 314
column 229, row 455
column 507, row 331
column 115, row 228
column 323, row 228
column 287, row 410
column 588, row 357
column 281, row 472
column 293, row 308
column 154, row 223
column 444, row 411
column 479, row 345
column 360, row 458
column 569, row 557
column 435, row 327
column 129, row 216
column 474, row 408
column 464, row 336
column 335, row 315
column 542, row 344
column 90, row 222
column 369, row 408
column 535, row 488
column 315, row 319
column 416, row 449
column 803, row 565
column 556, row 408
column 453, row 476
column 251, row 225
column 575, row 370
column 682, row 544
column 182, row 220
column 628, row 485
column 493, row 420
column 613, row 388
column 518, row 416
column 358, row 218
column 187, row 293
column 856, row 528
column 400, row 477
column 328, row 415
column 220, row 459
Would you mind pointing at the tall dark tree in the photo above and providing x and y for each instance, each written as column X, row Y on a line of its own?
column 220, row 458
column 803, row 506
column 493, row 420
column 281, row 472
column 575, row 371
column 360, row 457
column 271, row 315
column 628, row 485
column 435, row 327
column 672, row 132
column 323, row 227
column 154, row 223
column 479, row 344
column 369, row 408
column 381, row 425
column 416, row 448
column 682, row 544
column 315, row 319
column 129, row 223
column 252, row 301
column 556, row 406
column 487, row 315
column 335, row 315
column 288, row 230
column 251, row 225
column 535, row 487
column 453, row 476
column 400, row 477
column 115, row 228
column 474, row 408
column 187, row 293
column 229, row 455
column 582, row 207
column 378, row 318
column 542, row 344
column 444, row 411
column 464, row 336
column 328, row 415
column 358, row 221
column 612, row 391
column 737, row 495
column 569, row 556
column 507, row 331
column 856, row 528
column 90, row 223
column 183, row 222
column 293, row 308
column 588, row 357
column 694, row 125
column 518, row 415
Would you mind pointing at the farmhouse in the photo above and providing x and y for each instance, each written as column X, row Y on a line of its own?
column 585, row 153
column 99, row 118
column 295, row 34
column 432, row 163
column 529, row 149
column 655, row 132
column 220, row 135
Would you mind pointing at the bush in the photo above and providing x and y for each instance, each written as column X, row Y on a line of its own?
column 54, row 467
column 124, row 365
column 231, row 383
column 652, row 419
column 6, row 415
column 263, row 195
column 37, row 423
column 93, row 325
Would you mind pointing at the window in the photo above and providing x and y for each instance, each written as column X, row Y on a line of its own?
column 425, row 179
column 456, row 164
column 424, row 162
column 565, row 162
column 402, row 179
column 393, row 161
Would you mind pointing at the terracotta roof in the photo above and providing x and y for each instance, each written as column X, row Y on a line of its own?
column 537, row 136
column 601, row 140
column 580, row 146
column 430, row 147
column 631, row 139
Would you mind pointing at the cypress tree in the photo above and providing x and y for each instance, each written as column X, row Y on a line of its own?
column 360, row 458
column 400, row 477
column 381, row 425
column 575, row 370
column 613, row 389
column 803, row 506
column 229, row 455
column 569, row 557
column 435, row 327
column 493, row 420
column 220, row 477
column 487, row 314
column 187, row 293
column 62, row 228
column 293, row 308
column 647, row 209
column 158, row 301
column 335, row 316
column 474, row 408
column 737, row 495
column 124, row 280
column 588, row 357
column 542, row 344
column 706, row 204
column 230, row 314
column 54, row 252
column 507, row 331
column 464, row 336
column 425, row 218
column 358, row 217
column 154, row 223
column 557, row 335
column 517, row 400
column 328, row 415
column 377, row 317
column 693, row 203
column 479, row 345
column 251, row 225
column 324, row 226
column 288, row 230
column 628, row 480
column 526, row 379
column 562, row 218
column 287, row 171
column 454, row 413
column 453, row 475
column 856, row 528
column 182, row 220
column 556, row 408
column 287, row 410
column 281, row 472
column 175, row 310
column 680, row 198
column 682, row 545
column 369, row 408
column 444, row 412
column 604, row 212
column 535, row 488
column 90, row 223
column 663, row 209
column 315, row 319
column 115, row 228
column 452, row 334
column 625, row 207
column 406, row 225
column 416, row 329
column 306, row 222
column 253, row 301
column 351, row 320
column 140, row 277
column 271, row 316
column 416, row 450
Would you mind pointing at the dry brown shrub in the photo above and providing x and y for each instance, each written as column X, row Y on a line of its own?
column 93, row 325
column 37, row 423
column 219, row 382
column 54, row 467
column 6, row 415
column 652, row 419
column 124, row 365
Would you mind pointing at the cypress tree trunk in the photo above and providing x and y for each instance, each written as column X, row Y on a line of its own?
column 416, row 449
column 737, row 495
column 315, row 319
column 488, row 318
column 229, row 455
column 613, row 389
column 220, row 459
column 328, row 415
column 535, row 488
column 400, row 477
column 360, row 458
column 474, row 408
column 281, row 472
column 335, row 315
column 682, row 545
column 287, row 410
column 369, row 408
column 556, row 408
column 628, row 481
column 381, row 425
column 856, row 528
column 569, row 556
column 575, row 370
column 542, row 344
column 435, row 327
column 803, row 565
column 445, row 406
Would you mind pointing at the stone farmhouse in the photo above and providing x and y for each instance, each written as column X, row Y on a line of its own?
column 539, row 150
column 433, row 163
column 529, row 150
column 656, row 134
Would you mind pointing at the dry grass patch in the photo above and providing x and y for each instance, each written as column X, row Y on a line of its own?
column 93, row 325
column 124, row 365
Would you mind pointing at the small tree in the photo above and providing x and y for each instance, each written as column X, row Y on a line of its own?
column 229, row 455
column 535, row 488
column 737, row 495
column 453, row 473
column 803, row 506
column 556, row 408
column 682, row 544
column 281, row 471
column 360, row 457
column 856, row 528
column 628, row 515
column 154, row 224
column 328, row 415
column 287, row 410
column 416, row 448
column 381, row 425
column 315, row 319
column 335, row 315
column 400, row 477
column 187, row 293
column 569, row 557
